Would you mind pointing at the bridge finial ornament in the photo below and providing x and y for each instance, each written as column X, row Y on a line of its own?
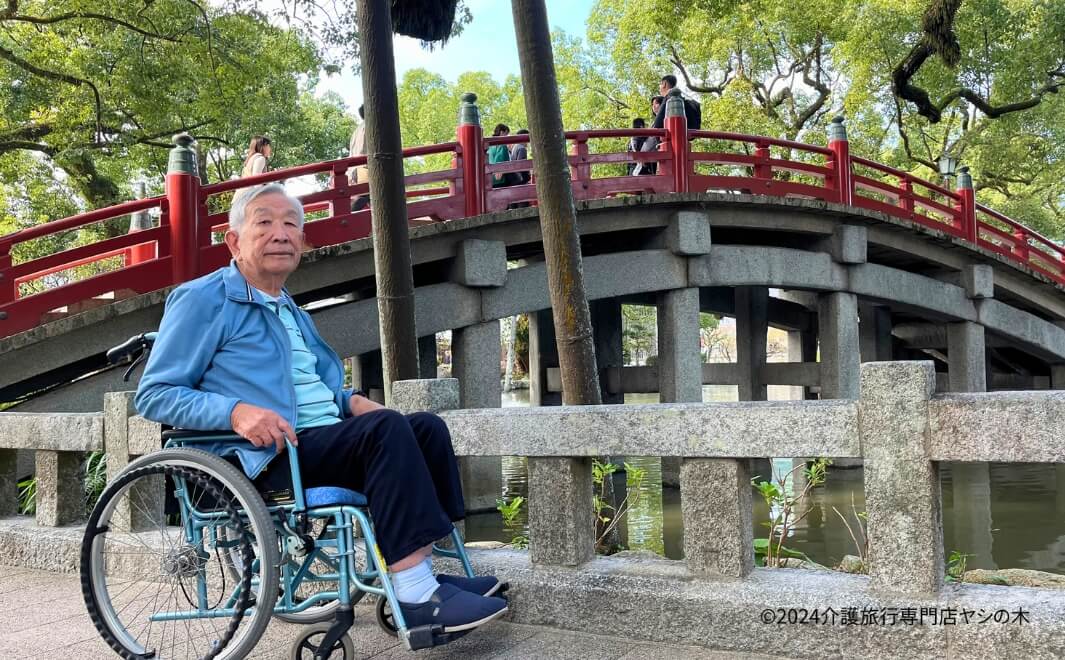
column 836, row 130
column 468, row 112
column 674, row 103
column 183, row 156
column 965, row 180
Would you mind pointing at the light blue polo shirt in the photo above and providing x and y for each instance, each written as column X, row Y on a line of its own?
column 315, row 403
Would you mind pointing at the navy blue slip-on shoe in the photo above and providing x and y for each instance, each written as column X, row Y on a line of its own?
column 454, row 609
column 486, row 585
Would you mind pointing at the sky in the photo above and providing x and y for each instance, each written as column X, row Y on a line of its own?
column 486, row 44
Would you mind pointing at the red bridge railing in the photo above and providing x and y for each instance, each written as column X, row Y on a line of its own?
column 184, row 244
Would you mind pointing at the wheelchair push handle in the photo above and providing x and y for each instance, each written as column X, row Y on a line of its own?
column 135, row 350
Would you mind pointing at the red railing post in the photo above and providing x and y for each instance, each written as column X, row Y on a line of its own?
column 906, row 198
column 8, row 290
column 183, row 193
column 470, row 139
column 679, row 146
column 842, row 182
column 966, row 205
column 580, row 171
column 139, row 221
column 762, row 168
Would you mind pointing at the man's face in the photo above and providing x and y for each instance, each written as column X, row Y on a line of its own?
column 270, row 239
column 663, row 87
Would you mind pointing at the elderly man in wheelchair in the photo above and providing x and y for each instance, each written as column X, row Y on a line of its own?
column 276, row 471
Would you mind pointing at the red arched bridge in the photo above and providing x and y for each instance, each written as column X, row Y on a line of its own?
column 182, row 245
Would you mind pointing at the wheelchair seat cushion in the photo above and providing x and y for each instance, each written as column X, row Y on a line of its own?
column 333, row 496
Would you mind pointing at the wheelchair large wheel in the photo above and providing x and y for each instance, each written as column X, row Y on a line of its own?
column 158, row 585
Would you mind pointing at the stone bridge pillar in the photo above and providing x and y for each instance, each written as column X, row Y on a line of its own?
column 971, row 482
column 543, row 355
column 752, row 324
column 475, row 360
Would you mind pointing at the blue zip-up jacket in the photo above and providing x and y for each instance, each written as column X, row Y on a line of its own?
column 220, row 345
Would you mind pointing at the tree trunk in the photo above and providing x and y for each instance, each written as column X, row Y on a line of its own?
column 558, row 218
column 512, row 335
column 391, row 239
column 558, row 222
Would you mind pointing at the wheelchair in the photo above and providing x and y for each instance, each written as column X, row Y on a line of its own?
column 199, row 573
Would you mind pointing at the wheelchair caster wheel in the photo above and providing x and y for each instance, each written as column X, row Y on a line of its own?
column 306, row 645
column 385, row 618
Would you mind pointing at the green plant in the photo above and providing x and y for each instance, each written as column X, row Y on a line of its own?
column 601, row 473
column 956, row 565
column 861, row 520
column 27, row 496
column 95, row 477
column 511, row 512
column 786, row 509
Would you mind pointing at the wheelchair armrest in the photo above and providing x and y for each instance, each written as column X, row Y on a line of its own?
column 186, row 436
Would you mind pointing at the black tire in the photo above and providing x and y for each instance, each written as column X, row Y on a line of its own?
column 307, row 643
column 385, row 618
column 234, row 504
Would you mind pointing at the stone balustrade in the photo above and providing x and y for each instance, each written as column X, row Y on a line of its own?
column 898, row 426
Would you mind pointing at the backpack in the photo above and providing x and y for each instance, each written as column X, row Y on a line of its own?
column 693, row 112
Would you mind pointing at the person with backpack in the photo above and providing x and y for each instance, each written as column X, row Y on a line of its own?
column 693, row 112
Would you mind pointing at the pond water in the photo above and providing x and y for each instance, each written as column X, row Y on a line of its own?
column 1002, row 515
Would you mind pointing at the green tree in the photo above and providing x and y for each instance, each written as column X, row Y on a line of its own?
column 917, row 79
column 95, row 89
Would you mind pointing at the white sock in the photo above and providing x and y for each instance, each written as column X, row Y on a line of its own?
column 415, row 584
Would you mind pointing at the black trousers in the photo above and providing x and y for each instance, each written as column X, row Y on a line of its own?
column 405, row 465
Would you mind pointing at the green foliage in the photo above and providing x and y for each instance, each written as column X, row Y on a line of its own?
column 770, row 67
column 27, row 496
column 639, row 334
column 607, row 516
column 956, row 563
column 511, row 512
column 787, row 507
column 222, row 74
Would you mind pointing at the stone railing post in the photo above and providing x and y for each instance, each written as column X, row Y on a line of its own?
column 561, row 515
column 8, row 482
column 715, row 502
column 183, row 193
column 150, row 494
column 902, row 491
column 60, row 494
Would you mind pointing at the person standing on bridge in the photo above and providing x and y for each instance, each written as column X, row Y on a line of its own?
column 234, row 351
column 360, row 173
column 257, row 160
column 499, row 153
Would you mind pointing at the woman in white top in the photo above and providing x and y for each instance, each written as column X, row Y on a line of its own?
column 259, row 152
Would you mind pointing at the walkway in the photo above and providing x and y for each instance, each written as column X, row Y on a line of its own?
column 42, row 616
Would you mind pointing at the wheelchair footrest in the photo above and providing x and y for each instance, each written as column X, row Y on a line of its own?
column 424, row 637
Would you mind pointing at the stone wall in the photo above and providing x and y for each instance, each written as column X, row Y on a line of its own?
column 898, row 426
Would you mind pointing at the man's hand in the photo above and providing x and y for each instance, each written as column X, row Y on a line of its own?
column 262, row 427
column 360, row 405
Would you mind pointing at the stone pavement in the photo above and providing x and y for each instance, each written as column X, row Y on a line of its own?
column 42, row 616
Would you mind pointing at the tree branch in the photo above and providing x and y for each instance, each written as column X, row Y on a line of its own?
column 60, row 77
column 703, row 88
column 75, row 15
column 906, row 139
